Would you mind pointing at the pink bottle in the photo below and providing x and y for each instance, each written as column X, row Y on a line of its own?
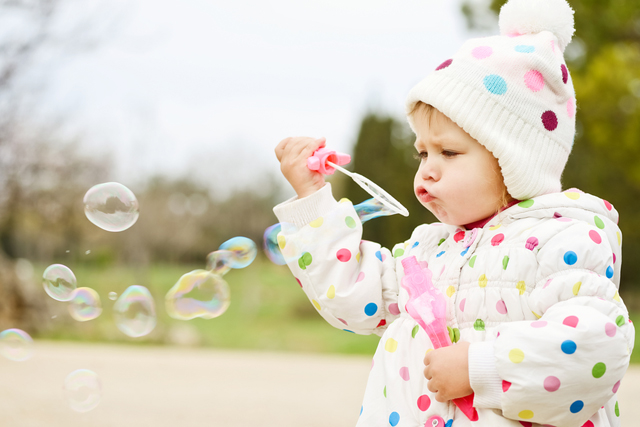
column 428, row 307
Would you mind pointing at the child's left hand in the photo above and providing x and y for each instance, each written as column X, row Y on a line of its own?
column 447, row 370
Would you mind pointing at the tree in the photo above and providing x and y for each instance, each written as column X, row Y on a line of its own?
column 41, row 176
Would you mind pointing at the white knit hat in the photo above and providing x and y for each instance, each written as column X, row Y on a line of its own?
column 513, row 94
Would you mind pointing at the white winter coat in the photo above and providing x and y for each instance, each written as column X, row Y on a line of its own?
column 535, row 292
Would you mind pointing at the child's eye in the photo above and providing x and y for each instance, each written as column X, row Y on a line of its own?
column 449, row 154
column 420, row 156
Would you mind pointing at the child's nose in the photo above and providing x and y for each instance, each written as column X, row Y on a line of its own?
column 429, row 169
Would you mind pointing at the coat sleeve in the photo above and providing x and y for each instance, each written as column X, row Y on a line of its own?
column 352, row 283
column 562, row 368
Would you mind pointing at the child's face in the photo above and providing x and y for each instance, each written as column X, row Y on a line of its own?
column 458, row 180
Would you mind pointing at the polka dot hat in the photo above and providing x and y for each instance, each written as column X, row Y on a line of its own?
column 513, row 94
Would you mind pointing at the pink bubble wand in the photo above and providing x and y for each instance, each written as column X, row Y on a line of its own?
column 327, row 161
column 428, row 307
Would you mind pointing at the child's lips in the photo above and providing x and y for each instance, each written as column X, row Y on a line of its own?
column 424, row 195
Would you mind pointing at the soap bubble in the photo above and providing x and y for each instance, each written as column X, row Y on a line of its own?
column 85, row 304
column 59, row 282
column 198, row 293
column 219, row 262
column 113, row 296
column 82, row 390
column 111, row 206
column 372, row 208
column 16, row 345
column 135, row 311
column 24, row 269
column 244, row 251
column 270, row 244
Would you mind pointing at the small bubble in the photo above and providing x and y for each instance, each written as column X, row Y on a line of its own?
column 67, row 251
column 135, row 311
column 113, row 296
column 87, row 252
column 83, row 390
column 111, row 206
column 197, row 204
column 244, row 251
column 271, row 246
column 59, row 282
column 24, row 269
column 198, row 293
column 16, row 345
column 219, row 262
column 177, row 204
column 55, row 316
column 85, row 304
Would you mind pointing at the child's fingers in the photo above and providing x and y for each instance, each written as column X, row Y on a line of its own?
column 298, row 147
column 281, row 147
column 427, row 373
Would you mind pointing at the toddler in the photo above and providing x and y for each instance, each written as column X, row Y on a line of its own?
column 530, row 273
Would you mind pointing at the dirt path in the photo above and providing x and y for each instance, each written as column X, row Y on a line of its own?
column 167, row 387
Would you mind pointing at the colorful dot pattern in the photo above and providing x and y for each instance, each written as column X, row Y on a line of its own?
column 490, row 288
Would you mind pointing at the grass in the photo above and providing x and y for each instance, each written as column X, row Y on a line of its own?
column 268, row 311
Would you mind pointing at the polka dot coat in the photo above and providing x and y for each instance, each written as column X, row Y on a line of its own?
column 536, row 288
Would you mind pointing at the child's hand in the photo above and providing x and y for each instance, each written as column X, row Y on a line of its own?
column 447, row 370
column 292, row 153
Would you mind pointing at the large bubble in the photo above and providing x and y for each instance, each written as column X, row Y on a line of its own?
column 85, row 304
column 271, row 245
column 82, row 390
column 16, row 345
column 59, row 282
column 244, row 251
column 135, row 311
column 111, row 206
column 199, row 293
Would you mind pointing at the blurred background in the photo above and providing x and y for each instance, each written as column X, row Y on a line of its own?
column 184, row 102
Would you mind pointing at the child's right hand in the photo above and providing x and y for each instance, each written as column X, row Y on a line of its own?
column 292, row 153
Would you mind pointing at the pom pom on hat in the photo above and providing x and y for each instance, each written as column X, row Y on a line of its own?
column 534, row 16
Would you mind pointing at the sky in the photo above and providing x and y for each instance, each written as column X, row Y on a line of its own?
column 207, row 89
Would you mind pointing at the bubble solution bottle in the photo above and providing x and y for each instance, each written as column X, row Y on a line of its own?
column 428, row 307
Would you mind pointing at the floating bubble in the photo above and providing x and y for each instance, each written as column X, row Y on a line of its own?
column 87, row 252
column 135, row 311
column 270, row 244
column 113, row 296
column 198, row 293
column 85, row 304
column 219, row 262
column 244, row 251
column 372, row 208
column 24, row 269
column 16, row 345
column 59, row 282
column 111, row 206
column 82, row 390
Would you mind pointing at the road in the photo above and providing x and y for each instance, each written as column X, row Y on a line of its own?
column 170, row 386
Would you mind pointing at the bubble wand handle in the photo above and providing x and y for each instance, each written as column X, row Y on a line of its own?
column 428, row 307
